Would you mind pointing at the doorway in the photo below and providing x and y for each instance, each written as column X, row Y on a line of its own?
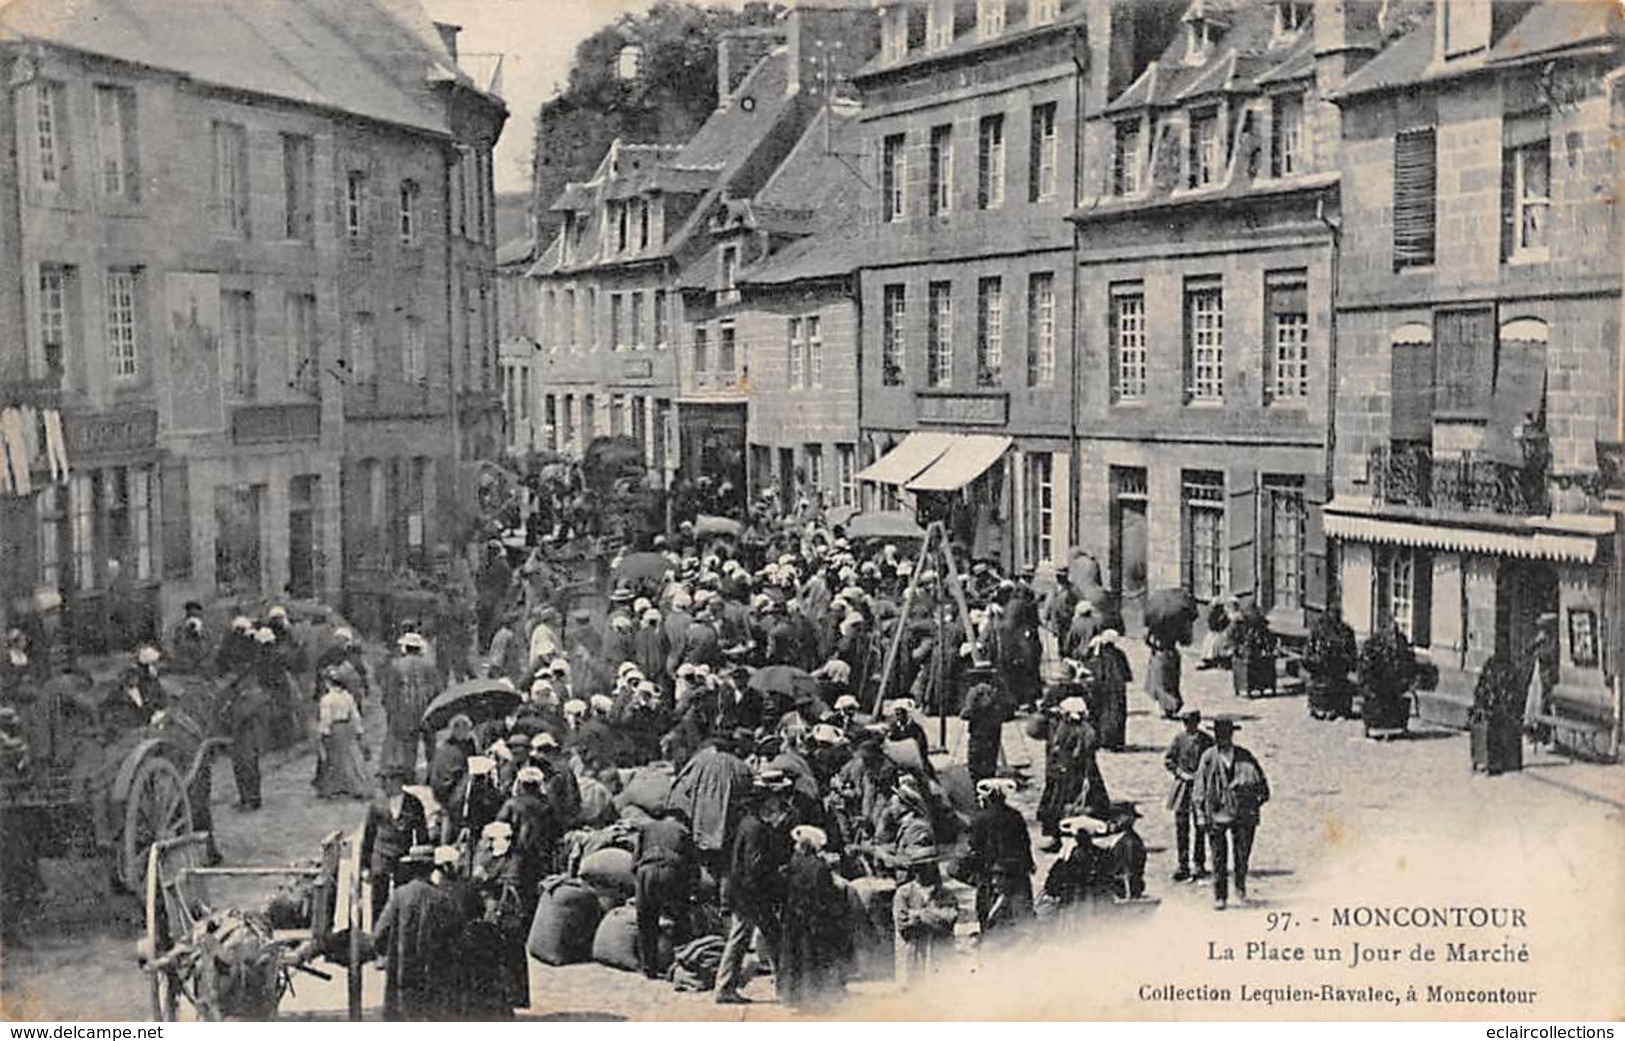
column 303, row 492
column 1524, row 590
column 1128, row 538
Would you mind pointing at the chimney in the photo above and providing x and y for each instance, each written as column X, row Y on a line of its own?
column 448, row 37
column 738, row 52
column 829, row 41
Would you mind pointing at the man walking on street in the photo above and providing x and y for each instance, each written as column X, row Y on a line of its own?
column 1230, row 788
column 753, row 890
column 1181, row 760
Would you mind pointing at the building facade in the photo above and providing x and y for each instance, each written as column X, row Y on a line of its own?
column 1206, row 252
column 969, row 119
column 209, row 260
column 1470, row 395
column 517, row 362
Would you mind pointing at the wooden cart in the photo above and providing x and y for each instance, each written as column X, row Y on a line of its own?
column 178, row 898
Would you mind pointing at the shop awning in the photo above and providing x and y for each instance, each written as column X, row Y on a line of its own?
column 1531, row 545
column 903, row 463
column 967, row 458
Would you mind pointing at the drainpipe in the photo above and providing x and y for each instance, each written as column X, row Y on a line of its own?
column 1334, row 229
column 453, row 156
column 1074, row 458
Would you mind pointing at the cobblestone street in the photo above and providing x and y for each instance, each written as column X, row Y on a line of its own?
column 1350, row 819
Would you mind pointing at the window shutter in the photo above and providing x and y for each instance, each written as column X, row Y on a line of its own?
column 1317, row 583
column 1411, row 415
column 1465, row 361
column 1415, row 198
column 1422, row 600
column 175, row 507
column 1241, row 528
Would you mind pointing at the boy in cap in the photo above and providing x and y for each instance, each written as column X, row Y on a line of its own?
column 1230, row 789
column 1181, row 760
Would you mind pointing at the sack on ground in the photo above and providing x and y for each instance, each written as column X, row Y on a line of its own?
column 648, row 788
column 561, row 932
column 609, row 872
column 615, row 943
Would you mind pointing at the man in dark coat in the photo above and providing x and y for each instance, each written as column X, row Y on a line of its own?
column 666, row 873
column 999, row 861
column 753, row 887
column 1183, row 755
column 396, row 822
column 449, row 769
column 535, row 827
column 984, row 724
column 416, row 938
column 1230, row 789
column 189, row 643
column 1071, row 775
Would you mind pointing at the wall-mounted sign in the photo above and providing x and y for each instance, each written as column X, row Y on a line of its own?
column 637, row 369
column 112, row 433
column 984, row 410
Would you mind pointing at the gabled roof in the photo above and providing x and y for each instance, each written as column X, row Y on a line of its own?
column 1246, row 56
column 1558, row 26
column 367, row 58
column 748, row 113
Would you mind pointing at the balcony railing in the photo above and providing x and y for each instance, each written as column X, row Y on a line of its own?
column 1412, row 475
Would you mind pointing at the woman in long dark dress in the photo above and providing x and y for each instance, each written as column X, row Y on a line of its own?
column 809, row 969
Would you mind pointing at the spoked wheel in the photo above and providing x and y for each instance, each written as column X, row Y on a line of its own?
column 157, row 808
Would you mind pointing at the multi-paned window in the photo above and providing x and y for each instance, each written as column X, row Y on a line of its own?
column 659, row 317
column 231, row 190
column 82, row 527
column 1203, row 501
column 1204, row 339
column 989, row 18
column 727, row 358
column 1283, row 516
column 1043, row 12
column 1041, row 329
column 303, row 359
column 50, row 140
column 1128, row 344
column 241, row 360
column 989, row 332
column 56, row 287
column 408, row 212
column 355, row 203
column 634, row 319
column 846, row 474
column 990, row 162
column 123, row 340
column 617, row 323
column 702, row 349
column 1044, row 154
column 893, row 335
column 793, row 374
column 1206, row 158
column 1286, row 296
column 1403, row 594
column 1286, row 136
column 940, row 195
column 48, row 521
column 939, row 335
column 814, row 331
column 893, row 178
column 1527, row 195
column 116, row 148
column 1126, row 157
column 1040, row 507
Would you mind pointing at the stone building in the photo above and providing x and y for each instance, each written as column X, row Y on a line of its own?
column 1206, row 252
column 213, row 203
column 798, row 317
column 517, row 346
column 969, row 126
column 1477, row 336
column 637, row 293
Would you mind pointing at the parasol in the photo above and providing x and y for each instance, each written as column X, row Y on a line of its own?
column 1171, row 613
column 786, row 680
column 643, row 566
column 705, row 524
column 883, row 525
column 479, row 700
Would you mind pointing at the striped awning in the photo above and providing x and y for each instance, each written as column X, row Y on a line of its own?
column 905, row 462
column 1531, row 545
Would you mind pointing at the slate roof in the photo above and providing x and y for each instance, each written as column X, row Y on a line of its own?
column 1246, row 56
column 968, row 42
column 369, row 58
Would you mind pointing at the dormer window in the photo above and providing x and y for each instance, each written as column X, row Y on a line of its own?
column 1206, row 149
column 895, row 30
column 1290, row 16
column 989, row 18
column 1044, row 12
column 1464, row 27
column 1126, row 157
column 1198, row 41
column 730, row 267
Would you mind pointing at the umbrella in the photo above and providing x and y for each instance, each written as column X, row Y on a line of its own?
column 883, row 526
column 786, row 680
column 705, row 524
column 1171, row 613
column 479, row 700
column 644, row 566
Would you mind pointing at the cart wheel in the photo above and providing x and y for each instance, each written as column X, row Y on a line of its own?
column 157, row 808
column 164, row 990
column 355, row 894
